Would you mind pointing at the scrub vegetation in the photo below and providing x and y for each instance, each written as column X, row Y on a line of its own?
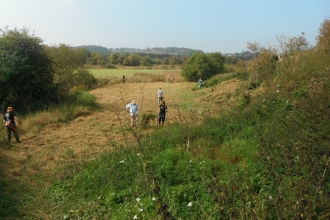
column 252, row 144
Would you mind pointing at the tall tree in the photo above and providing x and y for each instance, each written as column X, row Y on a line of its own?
column 66, row 62
column 323, row 39
column 26, row 72
column 203, row 66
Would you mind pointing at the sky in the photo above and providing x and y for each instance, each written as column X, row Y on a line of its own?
column 223, row 26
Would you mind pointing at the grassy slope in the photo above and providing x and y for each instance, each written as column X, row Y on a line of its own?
column 45, row 152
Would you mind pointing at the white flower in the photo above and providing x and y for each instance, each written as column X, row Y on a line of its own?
column 153, row 199
column 140, row 210
column 190, row 161
column 135, row 217
column 137, row 199
column 278, row 91
column 270, row 197
column 138, row 154
column 189, row 204
column 121, row 161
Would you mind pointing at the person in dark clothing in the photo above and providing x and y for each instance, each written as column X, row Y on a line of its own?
column 124, row 79
column 9, row 118
column 162, row 113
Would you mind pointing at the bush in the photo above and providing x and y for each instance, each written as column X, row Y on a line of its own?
column 110, row 66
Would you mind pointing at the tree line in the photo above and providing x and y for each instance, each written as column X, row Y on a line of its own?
column 33, row 76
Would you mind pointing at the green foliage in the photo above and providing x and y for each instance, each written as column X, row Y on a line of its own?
column 110, row 66
column 26, row 72
column 202, row 66
column 146, row 119
column 215, row 80
column 68, row 69
column 83, row 77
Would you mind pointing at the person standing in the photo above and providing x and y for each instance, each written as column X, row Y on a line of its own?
column 200, row 83
column 168, row 78
column 124, row 79
column 9, row 118
column 133, row 110
column 162, row 113
column 160, row 96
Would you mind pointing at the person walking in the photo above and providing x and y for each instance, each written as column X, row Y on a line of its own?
column 160, row 96
column 200, row 83
column 124, row 79
column 9, row 118
column 133, row 110
column 162, row 113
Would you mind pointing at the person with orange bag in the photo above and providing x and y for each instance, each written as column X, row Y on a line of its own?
column 9, row 118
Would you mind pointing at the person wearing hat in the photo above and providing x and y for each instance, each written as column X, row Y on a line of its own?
column 9, row 118
column 133, row 110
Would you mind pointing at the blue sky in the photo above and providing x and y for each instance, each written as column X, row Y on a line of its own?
column 209, row 25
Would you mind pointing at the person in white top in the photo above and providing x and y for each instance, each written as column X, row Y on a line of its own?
column 133, row 110
column 160, row 96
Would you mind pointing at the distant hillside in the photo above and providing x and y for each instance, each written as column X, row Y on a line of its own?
column 156, row 50
column 160, row 52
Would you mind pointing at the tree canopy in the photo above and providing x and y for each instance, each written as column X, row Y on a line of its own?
column 26, row 72
column 203, row 66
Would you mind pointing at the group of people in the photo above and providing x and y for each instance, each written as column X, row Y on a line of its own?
column 133, row 109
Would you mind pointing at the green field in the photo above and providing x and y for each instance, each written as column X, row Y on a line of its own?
column 119, row 72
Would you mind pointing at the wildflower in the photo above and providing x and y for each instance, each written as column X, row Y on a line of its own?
column 153, row 199
column 189, row 204
column 137, row 199
column 121, row 161
column 135, row 217
column 270, row 197
column 140, row 210
column 138, row 154
column 278, row 91
column 190, row 161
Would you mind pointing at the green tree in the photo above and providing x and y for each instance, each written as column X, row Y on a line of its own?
column 146, row 61
column 95, row 58
column 26, row 71
column 202, row 66
column 134, row 60
column 114, row 58
column 66, row 62
column 174, row 60
column 323, row 39
column 166, row 61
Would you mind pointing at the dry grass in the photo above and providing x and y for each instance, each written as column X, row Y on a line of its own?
column 51, row 146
